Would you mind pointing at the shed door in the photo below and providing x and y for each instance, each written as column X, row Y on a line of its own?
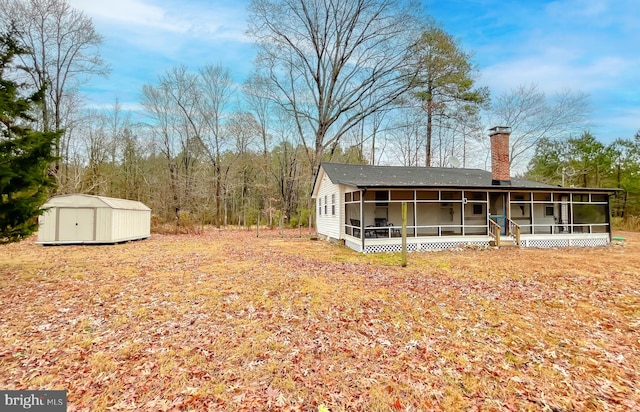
column 76, row 224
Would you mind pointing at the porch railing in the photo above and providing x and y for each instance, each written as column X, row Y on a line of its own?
column 391, row 231
column 564, row 228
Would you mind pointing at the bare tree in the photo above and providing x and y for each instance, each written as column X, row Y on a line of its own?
column 215, row 88
column 64, row 46
column 457, row 135
column 241, row 170
column 287, row 163
column 171, row 133
column 324, row 57
column 406, row 137
column 256, row 92
column 188, row 112
column 532, row 116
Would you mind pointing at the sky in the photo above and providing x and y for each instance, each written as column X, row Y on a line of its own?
column 589, row 46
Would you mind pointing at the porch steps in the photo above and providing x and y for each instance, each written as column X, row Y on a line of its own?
column 505, row 242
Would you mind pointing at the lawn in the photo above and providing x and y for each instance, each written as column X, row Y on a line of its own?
column 227, row 321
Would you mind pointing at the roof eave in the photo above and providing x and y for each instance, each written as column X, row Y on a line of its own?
column 485, row 187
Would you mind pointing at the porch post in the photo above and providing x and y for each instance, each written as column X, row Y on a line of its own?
column 415, row 213
column 570, row 217
column 487, row 214
column 531, row 208
column 404, row 234
column 462, row 207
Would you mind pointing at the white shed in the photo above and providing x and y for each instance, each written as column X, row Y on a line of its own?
column 79, row 218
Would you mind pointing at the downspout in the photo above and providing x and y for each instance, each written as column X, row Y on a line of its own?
column 362, row 192
column 609, row 218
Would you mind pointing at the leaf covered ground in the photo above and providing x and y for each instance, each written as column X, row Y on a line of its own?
column 227, row 321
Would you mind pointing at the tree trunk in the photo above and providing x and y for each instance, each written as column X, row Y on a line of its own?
column 429, row 132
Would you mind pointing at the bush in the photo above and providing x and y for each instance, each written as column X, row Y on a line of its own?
column 184, row 224
column 300, row 219
column 627, row 223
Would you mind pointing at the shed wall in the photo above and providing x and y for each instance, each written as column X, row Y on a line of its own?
column 103, row 225
column 130, row 224
column 47, row 223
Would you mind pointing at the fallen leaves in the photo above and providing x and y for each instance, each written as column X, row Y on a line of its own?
column 223, row 320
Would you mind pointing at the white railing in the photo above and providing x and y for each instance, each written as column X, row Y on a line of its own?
column 493, row 229
column 567, row 228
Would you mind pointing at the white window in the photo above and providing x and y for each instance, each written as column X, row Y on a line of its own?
column 333, row 204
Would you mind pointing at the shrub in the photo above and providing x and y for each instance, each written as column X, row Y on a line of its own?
column 627, row 223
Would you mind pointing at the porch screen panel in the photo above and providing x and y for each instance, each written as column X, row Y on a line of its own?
column 590, row 218
column 475, row 214
column 352, row 219
column 395, row 218
column 450, row 218
column 427, row 219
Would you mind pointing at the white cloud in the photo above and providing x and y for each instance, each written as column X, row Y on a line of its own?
column 147, row 18
column 128, row 12
column 553, row 74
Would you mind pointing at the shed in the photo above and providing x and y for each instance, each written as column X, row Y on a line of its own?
column 79, row 218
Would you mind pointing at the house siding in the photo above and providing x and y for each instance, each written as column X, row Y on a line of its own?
column 329, row 200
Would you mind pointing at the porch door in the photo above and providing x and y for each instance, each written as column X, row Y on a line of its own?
column 498, row 210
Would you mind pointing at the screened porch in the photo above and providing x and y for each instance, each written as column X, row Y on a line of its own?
column 377, row 213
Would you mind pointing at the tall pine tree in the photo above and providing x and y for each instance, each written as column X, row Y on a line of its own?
column 25, row 155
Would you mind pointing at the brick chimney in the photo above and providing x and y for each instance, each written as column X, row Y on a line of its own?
column 500, row 163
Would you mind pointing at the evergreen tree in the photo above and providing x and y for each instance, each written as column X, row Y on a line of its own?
column 586, row 162
column 24, row 154
column 445, row 80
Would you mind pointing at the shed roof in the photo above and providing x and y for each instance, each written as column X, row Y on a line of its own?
column 82, row 200
column 364, row 176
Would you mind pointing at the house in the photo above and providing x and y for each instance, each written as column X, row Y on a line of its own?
column 79, row 218
column 361, row 206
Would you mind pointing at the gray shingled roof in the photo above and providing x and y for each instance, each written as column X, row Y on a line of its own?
column 400, row 176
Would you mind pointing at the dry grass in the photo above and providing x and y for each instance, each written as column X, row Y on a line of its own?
column 628, row 223
column 224, row 321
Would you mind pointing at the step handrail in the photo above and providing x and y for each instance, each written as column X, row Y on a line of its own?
column 494, row 231
column 514, row 230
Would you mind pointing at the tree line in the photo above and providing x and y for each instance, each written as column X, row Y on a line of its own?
column 586, row 162
column 357, row 81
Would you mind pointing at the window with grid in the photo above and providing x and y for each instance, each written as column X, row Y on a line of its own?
column 333, row 204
